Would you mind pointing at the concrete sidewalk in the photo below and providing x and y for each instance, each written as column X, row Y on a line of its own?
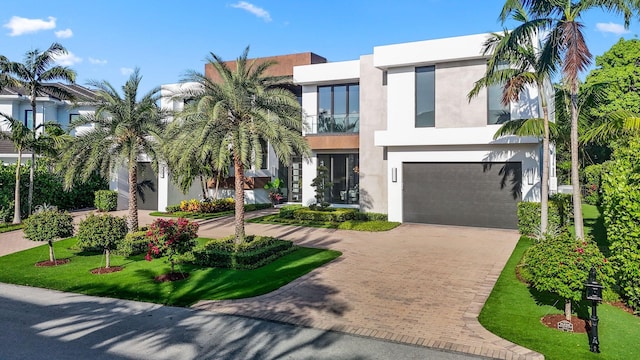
column 417, row 284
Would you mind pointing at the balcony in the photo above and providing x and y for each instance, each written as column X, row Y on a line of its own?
column 332, row 124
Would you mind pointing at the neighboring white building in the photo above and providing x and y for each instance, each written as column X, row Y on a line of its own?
column 399, row 135
column 15, row 103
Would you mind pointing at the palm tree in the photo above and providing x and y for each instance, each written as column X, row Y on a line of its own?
column 21, row 136
column 526, row 68
column 34, row 75
column 565, row 40
column 124, row 127
column 233, row 116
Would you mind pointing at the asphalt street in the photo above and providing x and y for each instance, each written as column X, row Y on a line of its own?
column 43, row 324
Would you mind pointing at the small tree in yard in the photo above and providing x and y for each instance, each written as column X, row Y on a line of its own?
column 104, row 231
column 48, row 225
column 560, row 264
column 171, row 237
column 322, row 184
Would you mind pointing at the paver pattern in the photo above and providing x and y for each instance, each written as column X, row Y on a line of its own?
column 416, row 284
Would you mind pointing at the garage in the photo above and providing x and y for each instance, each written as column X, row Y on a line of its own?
column 465, row 194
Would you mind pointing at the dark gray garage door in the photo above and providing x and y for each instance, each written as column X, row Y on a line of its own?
column 467, row 194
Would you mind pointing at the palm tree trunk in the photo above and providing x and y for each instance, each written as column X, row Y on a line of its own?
column 107, row 255
column 33, row 153
column 567, row 309
column 239, row 186
column 16, row 196
column 132, row 224
column 544, row 186
column 203, row 185
column 52, row 256
column 575, row 177
column 31, row 179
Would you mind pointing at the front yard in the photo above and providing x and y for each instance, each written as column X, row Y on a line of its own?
column 136, row 280
column 513, row 311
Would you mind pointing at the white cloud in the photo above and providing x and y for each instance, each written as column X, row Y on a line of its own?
column 255, row 10
column 19, row 25
column 64, row 34
column 126, row 71
column 67, row 59
column 613, row 28
column 97, row 61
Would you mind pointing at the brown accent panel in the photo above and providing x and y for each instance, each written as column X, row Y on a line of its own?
column 333, row 142
column 250, row 183
column 284, row 66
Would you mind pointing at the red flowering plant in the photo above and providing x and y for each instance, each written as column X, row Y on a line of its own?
column 560, row 264
column 171, row 237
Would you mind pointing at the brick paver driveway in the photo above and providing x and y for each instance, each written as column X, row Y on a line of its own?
column 416, row 284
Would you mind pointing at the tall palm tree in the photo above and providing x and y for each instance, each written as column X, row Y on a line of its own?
column 527, row 67
column 20, row 135
column 124, row 127
column 565, row 40
column 234, row 115
column 35, row 75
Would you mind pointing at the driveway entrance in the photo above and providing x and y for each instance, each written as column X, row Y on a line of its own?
column 417, row 284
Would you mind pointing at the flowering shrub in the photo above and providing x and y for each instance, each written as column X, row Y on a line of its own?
column 275, row 197
column 560, row 264
column 192, row 205
column 171, row 237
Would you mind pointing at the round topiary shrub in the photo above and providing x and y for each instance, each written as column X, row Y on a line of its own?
column 48, row 225
column 104, row 231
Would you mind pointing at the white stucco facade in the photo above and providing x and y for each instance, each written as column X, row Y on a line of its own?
column 461, row 133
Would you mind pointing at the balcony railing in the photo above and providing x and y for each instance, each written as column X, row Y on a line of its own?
column 332, row 124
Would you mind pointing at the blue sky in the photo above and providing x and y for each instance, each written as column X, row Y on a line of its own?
column 107, row 39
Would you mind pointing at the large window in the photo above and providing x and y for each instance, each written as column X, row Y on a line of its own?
column 338, row 108
column 497, row 113
column 265, row 154
column 425, row 96
column 344, row 174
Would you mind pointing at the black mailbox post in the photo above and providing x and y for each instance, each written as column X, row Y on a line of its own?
column 594, row 293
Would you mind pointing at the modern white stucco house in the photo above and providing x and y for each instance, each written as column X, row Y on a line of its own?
column 15, row 103
column 419, row 151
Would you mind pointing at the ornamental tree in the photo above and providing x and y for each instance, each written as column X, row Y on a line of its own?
column 171, row 237
column 104, row 231
column 560, row 264
column 48, row 225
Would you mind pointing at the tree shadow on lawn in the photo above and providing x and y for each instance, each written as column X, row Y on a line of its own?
column 111, row 328
column 599, row 233
column 542, row 298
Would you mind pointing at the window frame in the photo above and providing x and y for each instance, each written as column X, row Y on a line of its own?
column 417, row 70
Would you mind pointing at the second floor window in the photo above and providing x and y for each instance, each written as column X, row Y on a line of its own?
column 338, row 108
column 28, row 119
column 425, row 96
column 497, row 113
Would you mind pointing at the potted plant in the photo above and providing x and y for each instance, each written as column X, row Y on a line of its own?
column 275, row 192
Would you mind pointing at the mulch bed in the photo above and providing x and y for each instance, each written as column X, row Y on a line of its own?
column 108, row 270
column 174, row 276
column 52, row 263
column 579, row 325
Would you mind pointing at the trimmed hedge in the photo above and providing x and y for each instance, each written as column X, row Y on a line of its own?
column 331, row 215
column 529, row 214
column 135, row 243
column 106, row 200
column 255, row 252
column 621, row 213
column 287, row 211
column 211, row 207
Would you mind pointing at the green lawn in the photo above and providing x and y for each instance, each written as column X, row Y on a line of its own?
column 346, row 225
column 10, row 227
column 513, row 311
column 136, row 282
